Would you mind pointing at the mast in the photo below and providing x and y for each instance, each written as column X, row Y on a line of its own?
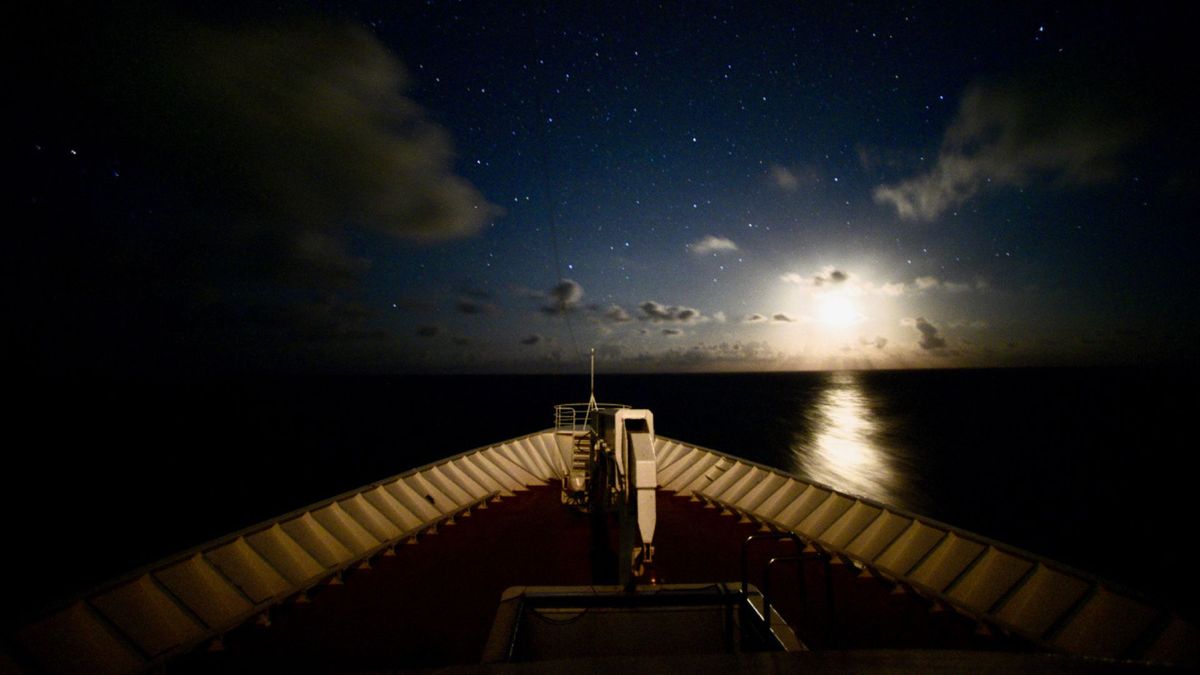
column 592, row 385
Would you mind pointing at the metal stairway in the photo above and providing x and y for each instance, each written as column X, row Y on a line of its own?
column 578, row 479
column 581, row 453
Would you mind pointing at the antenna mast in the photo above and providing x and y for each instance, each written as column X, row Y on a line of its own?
column 592, row 384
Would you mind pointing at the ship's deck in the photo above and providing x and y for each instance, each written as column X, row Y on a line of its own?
column 432, row 604
column 869, row 578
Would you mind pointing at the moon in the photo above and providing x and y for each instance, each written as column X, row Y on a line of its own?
column 837, row 311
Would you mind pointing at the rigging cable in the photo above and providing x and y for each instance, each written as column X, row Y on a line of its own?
column 542, row 132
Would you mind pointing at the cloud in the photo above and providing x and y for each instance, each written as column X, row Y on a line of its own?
column 712, row 244
column 609, row 352
column 616, row 314
column 291, row 127
column 783, row 178
column 526, row 292
column 333, row 139
column 262, row 154
column 563, row 298
column 878, row 342
column 719, row 317
column 930, row 283
column 428, row 331
column 531, row 340
column 792, row 179
column 828, row 275
column 873, row 159
column 777, row 317
column 653, row 311
column 929, row 335
column 472, row 306
column 708, row 357
column 1062, row 126
column 314, row 259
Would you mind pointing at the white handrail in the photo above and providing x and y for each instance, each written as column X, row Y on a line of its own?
column 567, row 415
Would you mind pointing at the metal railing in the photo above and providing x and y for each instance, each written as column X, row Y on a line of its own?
column 575, row 416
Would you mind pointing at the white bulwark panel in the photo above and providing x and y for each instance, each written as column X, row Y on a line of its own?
column 1043, row 601
column 137, row 622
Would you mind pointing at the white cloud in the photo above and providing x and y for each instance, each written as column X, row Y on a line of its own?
column 1005, row 136
column 712, row 244
column 617, row 314
column 703, row 357
column 267, row 146
column 929, row 283
column 791, row 179
column 783, row 178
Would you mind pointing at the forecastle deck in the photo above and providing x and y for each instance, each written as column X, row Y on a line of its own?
column 335, row 586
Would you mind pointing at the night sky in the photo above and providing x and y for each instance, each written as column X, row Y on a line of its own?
column 449, row 187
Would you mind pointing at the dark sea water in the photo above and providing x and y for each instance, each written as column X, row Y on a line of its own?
column 1087, row 466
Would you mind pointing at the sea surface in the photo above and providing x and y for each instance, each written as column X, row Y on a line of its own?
column 1087, row 466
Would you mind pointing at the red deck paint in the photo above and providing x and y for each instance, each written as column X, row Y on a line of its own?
column 432, row 604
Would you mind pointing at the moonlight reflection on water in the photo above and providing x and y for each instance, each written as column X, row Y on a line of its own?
column 837, row 446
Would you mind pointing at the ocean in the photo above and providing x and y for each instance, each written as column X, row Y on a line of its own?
column 1087, row 466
